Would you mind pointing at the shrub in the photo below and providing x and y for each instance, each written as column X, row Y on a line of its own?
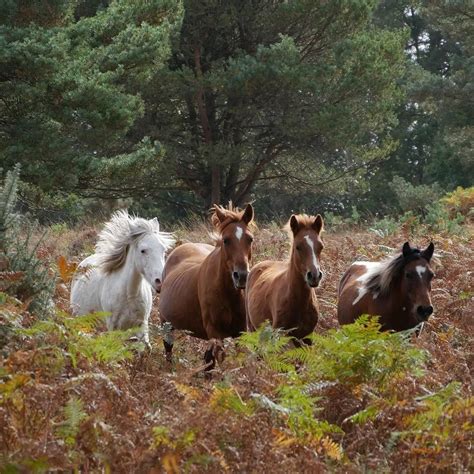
column 460, row 201
column 414, row 198
column 439, row 219
column 23, row 274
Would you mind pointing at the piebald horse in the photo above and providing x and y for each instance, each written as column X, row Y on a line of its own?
column 283, row 292
column 202, row 289
column 397, row 289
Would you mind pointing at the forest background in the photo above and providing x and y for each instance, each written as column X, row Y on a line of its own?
column 349, row 107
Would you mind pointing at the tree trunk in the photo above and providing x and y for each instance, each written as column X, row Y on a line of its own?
column 215, row 194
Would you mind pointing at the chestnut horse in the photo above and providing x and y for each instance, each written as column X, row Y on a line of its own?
column 202, row 284
column 283, row 292
column 397, row 289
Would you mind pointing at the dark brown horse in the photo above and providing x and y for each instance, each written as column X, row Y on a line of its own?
column 202, row 284
column 397, row 289
column 283, row 292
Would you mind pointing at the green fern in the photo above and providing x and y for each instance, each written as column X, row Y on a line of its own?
column 74, row 415
column 226, row 397
column 78, row 338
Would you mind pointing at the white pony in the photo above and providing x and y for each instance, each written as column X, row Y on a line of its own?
column 120, row 277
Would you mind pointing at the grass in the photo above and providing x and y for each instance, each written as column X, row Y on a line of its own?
column 273, row 410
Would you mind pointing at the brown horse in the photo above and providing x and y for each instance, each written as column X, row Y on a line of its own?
column 397, row 289
column 283, row 292
column 202, row 284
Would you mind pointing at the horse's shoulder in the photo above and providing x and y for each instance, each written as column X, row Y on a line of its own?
column 191, row 250
column 358, row 271
column 272, row 266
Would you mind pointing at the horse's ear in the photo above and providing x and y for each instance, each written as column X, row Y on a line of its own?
column 406, row 250
column 318, row 224
column 219, row 213
column 156, row 223
column 294, row 224
column 247, row 216
column 428, row 252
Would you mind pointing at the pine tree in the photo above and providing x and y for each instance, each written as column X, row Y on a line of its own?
column 70, row 84
column 256, row 91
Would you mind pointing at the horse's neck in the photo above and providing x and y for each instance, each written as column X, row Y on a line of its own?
column 298, row 289
column 218, row 276
column 394, row 301
column 132, row 278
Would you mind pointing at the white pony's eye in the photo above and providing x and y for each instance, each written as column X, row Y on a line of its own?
column 143, row 251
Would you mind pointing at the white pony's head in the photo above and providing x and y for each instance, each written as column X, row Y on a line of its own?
column 138, row 239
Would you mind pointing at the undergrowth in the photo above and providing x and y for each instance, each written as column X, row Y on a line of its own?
column 74, row 397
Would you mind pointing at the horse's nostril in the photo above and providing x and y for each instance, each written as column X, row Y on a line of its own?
column 424, row 311
column 309, row 276
column 157, row 281
column 236, row 275
column 320, row 275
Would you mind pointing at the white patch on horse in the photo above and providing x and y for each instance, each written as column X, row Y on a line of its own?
column 239, row 232
column 420, row 270
column 311, row 246
column 362, row 292
column 371, row 268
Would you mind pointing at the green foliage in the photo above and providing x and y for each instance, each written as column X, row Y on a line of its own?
column 385, row 227
column 437, row 423
column 74, row 415
column 24, row 275
column 360, row 353
column 77, row 337
column 440, row 220
column 162, row 437
column 225, row 397
column 71, row 83
column 414, row 198
column 269, row 344
column 301, row 408
column 460, row 201
column 352, row 356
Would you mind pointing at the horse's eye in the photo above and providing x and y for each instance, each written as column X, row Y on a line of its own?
column 298, row 247
column 250, row 239
column 430, row 275
column 226, row 241
column 143, row 251
column 409, row 275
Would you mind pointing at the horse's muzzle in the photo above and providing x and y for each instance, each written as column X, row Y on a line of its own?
column 424, row 312
column 240, row 279
column 314, row 278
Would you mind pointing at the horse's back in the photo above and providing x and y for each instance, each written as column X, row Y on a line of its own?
column 351, row 293
column 185, row 254
column 179, row 301
column 262, row 288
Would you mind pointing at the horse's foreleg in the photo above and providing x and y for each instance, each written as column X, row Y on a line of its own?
column 214, row 352
column 168, row 340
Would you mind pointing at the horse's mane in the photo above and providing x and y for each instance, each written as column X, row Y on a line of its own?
column 119, row 233
column 304, row 220
column 232, row 214
column 381, row 277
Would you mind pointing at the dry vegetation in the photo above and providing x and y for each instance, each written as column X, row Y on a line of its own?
column 135, row 413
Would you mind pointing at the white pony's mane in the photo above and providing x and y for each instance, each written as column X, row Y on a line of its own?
column 122, row 231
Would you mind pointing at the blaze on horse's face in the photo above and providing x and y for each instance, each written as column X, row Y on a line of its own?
column 416, row 282
column 236, row 244
column 307, row 247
